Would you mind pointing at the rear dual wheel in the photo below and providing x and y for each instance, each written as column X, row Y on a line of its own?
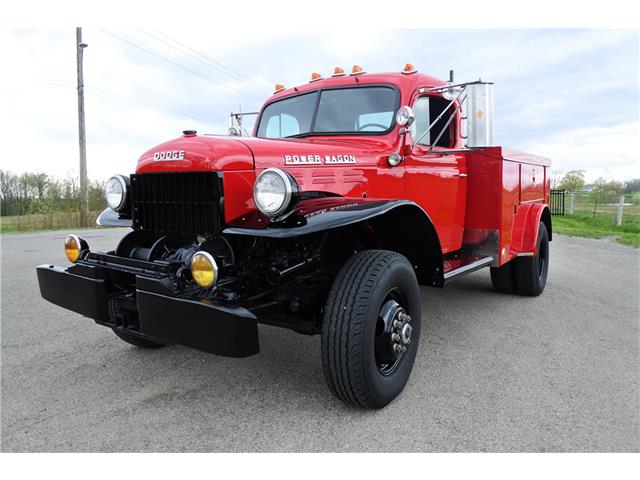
column 525, row 275
column 371, row 329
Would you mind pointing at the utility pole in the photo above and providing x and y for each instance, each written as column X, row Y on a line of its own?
column 84, row 193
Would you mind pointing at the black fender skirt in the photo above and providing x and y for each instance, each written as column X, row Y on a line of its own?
column 314, row 215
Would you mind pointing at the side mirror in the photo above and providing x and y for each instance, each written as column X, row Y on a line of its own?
column 405, row 116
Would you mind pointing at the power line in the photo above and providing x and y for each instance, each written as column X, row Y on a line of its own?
column 220, row 67
column 266, row 88
column 65, row 84
column 178, row 65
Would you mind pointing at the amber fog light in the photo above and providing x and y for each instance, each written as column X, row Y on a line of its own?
column 72, row 247
column 204, row 269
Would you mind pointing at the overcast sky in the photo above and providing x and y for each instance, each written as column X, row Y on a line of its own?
column 571, row 95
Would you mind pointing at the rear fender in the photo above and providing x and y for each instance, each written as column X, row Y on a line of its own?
column 524, row 235
column 399, row 225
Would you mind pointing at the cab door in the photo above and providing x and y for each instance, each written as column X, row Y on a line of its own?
column 435, row 175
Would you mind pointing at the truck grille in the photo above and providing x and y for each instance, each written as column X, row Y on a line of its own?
column 186, row 203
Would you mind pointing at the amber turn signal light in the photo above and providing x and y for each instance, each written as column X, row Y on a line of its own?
column 279, row 87
column 73, row 245
column 356, row 70
column 409, row 68
column 315, row 76
column 204, row 269
column 338, row 72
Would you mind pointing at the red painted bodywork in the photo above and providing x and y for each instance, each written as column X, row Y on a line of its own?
column 467, row 194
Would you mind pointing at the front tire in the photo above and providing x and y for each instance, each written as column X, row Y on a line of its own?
column 371, row 329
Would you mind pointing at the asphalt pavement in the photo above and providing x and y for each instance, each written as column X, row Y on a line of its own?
column 494, row 372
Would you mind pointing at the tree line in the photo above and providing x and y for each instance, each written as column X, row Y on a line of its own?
column 599, row 193
column 30, row 193
column 573, row 181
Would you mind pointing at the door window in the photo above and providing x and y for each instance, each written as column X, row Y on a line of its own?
column 426, row 111
column 421, row 122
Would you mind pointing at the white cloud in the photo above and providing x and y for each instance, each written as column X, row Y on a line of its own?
column 135, row 100
column 608, row 152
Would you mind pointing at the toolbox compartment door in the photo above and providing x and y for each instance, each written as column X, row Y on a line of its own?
column 532, row 181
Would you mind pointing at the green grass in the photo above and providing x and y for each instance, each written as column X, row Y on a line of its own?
column 582, row 224
column 42, row 221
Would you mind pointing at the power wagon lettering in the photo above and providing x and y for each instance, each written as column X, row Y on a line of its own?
column 317, row 159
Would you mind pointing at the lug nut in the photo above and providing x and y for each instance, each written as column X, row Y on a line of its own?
column 395, row 337
column 397, row 324
column 397, row 348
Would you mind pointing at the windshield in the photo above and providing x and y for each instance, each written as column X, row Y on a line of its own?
column 354, row 110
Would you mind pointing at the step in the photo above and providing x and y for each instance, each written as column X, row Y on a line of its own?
column 457, row 265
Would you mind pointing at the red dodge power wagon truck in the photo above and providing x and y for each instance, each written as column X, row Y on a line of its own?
column 352, row 191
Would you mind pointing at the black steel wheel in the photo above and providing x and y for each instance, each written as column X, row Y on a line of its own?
column 371, row 328
column 531, row 272
column 136, row 340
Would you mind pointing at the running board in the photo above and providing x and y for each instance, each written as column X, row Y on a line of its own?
column 463, row 268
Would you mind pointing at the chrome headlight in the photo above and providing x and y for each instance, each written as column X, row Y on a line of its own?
column 273, row 191
column 116, row 192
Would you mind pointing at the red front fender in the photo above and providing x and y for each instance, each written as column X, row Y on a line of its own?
column 524, row 234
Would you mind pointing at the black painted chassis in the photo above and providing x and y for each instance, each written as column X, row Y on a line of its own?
column 156, row 300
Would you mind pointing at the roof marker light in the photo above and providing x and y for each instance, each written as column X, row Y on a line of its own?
column 409, row 68
column 278, row 88
column 338, row 72
column 357, row 70
column 315, row 76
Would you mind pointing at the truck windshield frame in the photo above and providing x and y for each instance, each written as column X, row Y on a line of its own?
column 316, row 97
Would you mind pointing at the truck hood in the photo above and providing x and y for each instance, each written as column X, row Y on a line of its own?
column 197, row 153
column 210, row 152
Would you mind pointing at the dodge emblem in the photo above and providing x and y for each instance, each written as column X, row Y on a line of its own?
column 168, row 156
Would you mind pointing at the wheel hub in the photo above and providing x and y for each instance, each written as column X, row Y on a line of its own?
column 393, row 337
column 401, row 332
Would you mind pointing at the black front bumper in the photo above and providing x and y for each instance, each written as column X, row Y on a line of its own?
column 150, row 310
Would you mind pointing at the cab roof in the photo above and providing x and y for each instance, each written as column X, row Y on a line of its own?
column 405, row 82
